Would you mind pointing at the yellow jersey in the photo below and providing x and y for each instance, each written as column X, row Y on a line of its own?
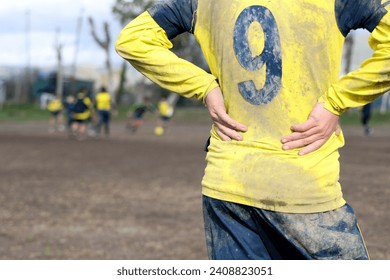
column 164, row 108
column 83, row 108
column 55, row 105
column 103, row 101
column 273, row 61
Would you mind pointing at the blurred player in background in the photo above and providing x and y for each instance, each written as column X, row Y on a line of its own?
column 366, row 112
column 136, row 118
column 165, row 110
column 103, row 105
column 56, row 121
column 81, row 115
column 271, row 187
column 69, row 105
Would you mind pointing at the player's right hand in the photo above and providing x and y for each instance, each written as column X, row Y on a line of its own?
column 226, row 128
column 314, row 132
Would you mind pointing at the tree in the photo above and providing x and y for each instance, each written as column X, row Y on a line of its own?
column 125, row 11
column 184, row 45
column 105, row 44
column 348, row 45
column 58, row 48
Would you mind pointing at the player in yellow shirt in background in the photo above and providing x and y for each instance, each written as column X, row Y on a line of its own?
column 165, row 114
column 103, row 105
column 56, row 121
column 271, row 186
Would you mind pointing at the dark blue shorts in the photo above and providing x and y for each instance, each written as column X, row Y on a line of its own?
column 239, row 232
column 55, row 113
column 165, row 118
column 104, row 116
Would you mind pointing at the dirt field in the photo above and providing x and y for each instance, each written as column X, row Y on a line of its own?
column 139, row 197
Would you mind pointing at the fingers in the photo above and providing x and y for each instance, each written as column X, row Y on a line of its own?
column 306, row 126
column 227, row 128
column 300, row 131
column 228, row 136
column 313, row 133
column 298, row 140
column 228, row 122
column 309, row 141
column 311, row 147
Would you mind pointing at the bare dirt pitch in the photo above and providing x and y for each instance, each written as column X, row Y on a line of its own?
column 139, row 196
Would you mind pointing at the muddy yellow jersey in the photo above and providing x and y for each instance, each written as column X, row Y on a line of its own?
column 55, row 105
column 273, row 61
column 103, row 101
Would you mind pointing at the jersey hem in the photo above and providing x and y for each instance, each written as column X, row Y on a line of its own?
column 292, row 209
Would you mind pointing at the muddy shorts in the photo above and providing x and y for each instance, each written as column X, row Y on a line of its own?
column 239, row 232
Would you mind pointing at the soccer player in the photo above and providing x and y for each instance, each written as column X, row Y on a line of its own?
column 56, row 121
column 274, row 78
column 165, row 110
column 68, row 105
column 81, row 115
column 103, row 106
column 366, row 114
column 136, row 118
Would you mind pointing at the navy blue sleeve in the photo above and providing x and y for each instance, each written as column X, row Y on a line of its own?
column 355, row 14
column 175, row 16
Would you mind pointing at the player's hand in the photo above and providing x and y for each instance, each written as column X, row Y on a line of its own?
column 227, row 128
column 313, row 133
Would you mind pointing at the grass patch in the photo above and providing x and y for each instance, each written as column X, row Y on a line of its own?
column 32, row 112
column 192, row 114
column 22, row 113
column 353, row 117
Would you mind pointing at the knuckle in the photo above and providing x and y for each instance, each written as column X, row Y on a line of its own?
column 304, row 135
column 232, row 125
column 323, row 134
column 305, row 142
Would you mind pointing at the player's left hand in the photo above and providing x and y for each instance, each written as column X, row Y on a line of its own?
column 313, row 133
column 227, row 128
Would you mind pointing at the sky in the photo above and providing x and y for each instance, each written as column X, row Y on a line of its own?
column 28, row 31
column 34, row 46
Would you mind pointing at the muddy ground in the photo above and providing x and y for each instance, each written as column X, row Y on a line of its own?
column 139, row 196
